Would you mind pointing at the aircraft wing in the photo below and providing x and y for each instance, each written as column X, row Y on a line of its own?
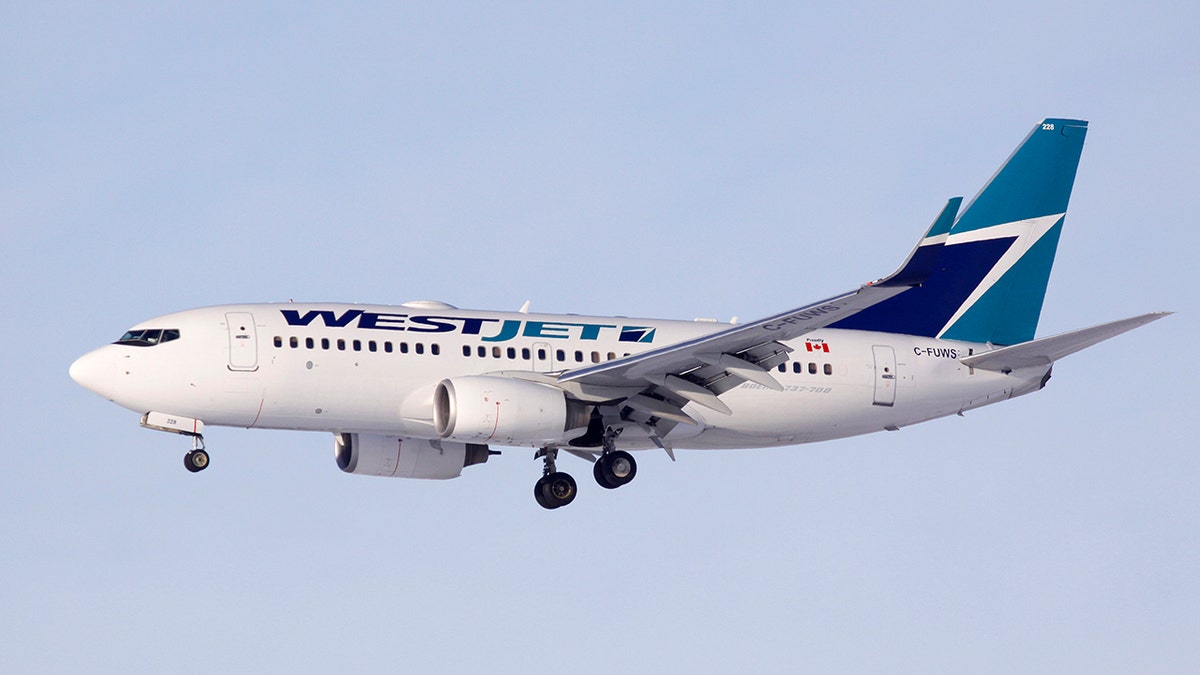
column 701, row 369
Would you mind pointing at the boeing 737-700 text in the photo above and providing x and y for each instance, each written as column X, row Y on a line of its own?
column 423, row 389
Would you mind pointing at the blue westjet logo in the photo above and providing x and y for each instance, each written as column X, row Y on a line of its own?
column 489, row 330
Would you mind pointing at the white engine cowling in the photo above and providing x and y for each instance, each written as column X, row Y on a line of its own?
column 396, row 457
column 481, row 408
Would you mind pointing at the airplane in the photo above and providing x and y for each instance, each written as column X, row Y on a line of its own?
column 424, row 389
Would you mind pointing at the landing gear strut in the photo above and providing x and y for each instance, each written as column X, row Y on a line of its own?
column 615, row 467
column 555, row 488
column 197, row 459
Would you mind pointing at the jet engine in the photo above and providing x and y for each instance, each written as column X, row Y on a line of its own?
column 484, row 408
column 397, row 457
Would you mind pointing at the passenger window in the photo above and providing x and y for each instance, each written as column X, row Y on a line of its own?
column 541, row 355
column 512, row 353
column 482, row 351
column 278, row 341
column 387, row 347
column 562, row 355
column 324, row 343
column 796, row 368
column 308, row 343
column 403, row 347
column 341, row 345
column 812, row 369
column 419, row 347
column 466, row 350
column 293, row 342
column 371, row 346
column 525, row 355
column 578, row 356
column 782, row 367
column 435, row 349
column 495, row 352
column 828, row 368
column 358, row 345
column 612, row 356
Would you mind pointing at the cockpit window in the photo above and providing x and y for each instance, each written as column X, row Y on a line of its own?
column 148, row 337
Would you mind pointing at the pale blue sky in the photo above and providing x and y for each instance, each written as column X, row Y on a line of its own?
column 673, row 160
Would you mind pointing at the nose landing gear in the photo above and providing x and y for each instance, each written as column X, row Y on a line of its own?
column 197, row 459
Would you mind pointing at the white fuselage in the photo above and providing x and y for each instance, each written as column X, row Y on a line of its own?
column 373, row 369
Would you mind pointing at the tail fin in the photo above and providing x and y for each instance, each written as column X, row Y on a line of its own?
column 991, row 274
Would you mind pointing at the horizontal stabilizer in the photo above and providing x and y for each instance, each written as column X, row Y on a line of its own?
column 1048, row 350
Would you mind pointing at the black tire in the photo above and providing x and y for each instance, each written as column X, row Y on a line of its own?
column 196, row 460
column 539, row 493
column 602, row 479
column 558, row 489
column 614, row 469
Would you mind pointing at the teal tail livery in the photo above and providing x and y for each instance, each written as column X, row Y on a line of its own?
column 990, row 276
column 424, row 389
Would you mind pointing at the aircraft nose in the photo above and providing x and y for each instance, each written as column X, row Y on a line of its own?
column 96, row 372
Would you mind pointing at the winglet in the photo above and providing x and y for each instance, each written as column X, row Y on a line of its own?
column 923, row 259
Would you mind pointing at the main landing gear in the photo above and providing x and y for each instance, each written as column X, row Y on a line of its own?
column 612, row 469
column 615, row 467
column 197, row 459
column 554, row 488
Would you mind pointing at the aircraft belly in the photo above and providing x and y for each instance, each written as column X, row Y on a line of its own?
column 316, row 394
column 847, row 403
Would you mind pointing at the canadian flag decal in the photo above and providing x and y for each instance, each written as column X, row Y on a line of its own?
column 817, row 347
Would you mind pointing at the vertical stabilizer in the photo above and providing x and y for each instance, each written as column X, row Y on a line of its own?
column 992, row 273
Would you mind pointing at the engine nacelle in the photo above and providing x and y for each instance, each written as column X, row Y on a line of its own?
column 396, row 457
column 504, row 410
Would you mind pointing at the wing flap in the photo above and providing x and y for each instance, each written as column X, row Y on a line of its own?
column 692, row 391
column 658, row 408
column 747, row 370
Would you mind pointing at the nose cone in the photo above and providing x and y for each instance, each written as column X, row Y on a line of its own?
column 96, row 371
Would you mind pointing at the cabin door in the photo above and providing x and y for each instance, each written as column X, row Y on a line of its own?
column 243, row 341
column 885, row 375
